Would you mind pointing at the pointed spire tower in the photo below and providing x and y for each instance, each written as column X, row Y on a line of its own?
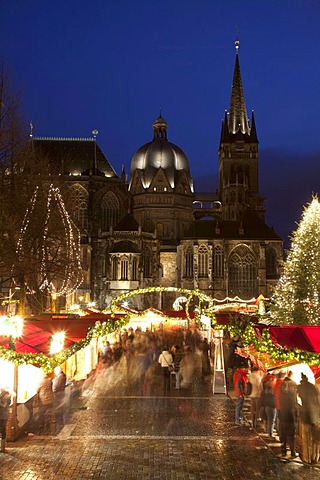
column 238, row 155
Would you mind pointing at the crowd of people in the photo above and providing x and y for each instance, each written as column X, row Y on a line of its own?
column 280, row 406
column 139, row 357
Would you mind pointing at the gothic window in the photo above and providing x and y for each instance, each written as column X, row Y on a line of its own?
column 134, row 268
column 79, row 198
column 271, row 263
column 242, row 273
column 189, row 263
column 218, row 262
column 109, row 211
column 124, row 268
column 114, row 268
column 147, row 269
column 203, row 261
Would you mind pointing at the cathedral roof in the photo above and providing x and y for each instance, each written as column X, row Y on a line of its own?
column 160, row 153
column 127, row 224
column 251, row 227
column 73, row 156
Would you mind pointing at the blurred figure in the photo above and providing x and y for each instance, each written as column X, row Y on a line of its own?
column 240, row 379
column 45, row 401
column 166, row 363
column 268, row 402
column 277, row 392
column 177, row 357
column 255, row 378
column 59, row 400
column 310, row 418
column 5, row 402
column 288, row 417
column 190, row 369
column 206, row 366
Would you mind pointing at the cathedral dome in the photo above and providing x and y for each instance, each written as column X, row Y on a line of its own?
column 160, row 153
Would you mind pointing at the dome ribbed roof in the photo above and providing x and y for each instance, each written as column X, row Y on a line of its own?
column 160, row 153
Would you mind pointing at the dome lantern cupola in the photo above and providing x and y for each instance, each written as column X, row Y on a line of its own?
column 160, row 127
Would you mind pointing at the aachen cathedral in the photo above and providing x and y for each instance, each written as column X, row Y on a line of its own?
column 150, row 228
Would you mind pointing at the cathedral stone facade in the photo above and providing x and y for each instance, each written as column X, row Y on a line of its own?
column 154, row 230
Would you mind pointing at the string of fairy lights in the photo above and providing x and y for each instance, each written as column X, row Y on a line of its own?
column 241, row 326
column 69, row 248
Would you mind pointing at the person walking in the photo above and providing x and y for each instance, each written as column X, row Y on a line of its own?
column 177, row 357
column 45, row 401
column 166, row 363
column 277, row 392
column 288, row 417
column 59, row 399
column 310, row 419
column 240, row 379
column 5, row 402
column 255, row 378
column 268, row 402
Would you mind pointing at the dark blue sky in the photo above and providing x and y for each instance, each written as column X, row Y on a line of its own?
column 110, row 65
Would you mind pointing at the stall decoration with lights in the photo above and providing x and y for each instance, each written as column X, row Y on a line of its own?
column 239, row 324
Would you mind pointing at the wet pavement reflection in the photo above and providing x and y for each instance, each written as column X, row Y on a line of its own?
column 118, row 430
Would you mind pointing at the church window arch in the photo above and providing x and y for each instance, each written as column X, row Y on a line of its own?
column 218, row 262
column 114, row 271
column 110, row 211
column 79, row 198
column 271, row 263
column 242, row 273
column 124, row 268
column 203, row 261
column 134, row 268
column 188, row 272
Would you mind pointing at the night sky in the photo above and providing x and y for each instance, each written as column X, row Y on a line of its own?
column 111, row 64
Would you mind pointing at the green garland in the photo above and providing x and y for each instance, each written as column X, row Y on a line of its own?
column 49, row 363
column 244, row 329
column 240, row 324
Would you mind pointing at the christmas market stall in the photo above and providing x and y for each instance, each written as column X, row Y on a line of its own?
column 33, row 347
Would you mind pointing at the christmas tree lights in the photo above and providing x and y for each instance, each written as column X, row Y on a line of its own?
column 296, row 299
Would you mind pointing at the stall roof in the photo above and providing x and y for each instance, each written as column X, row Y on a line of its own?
column 38, row 330
column 303, row 337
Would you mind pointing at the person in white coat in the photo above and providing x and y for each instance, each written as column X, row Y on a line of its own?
column 166, row 363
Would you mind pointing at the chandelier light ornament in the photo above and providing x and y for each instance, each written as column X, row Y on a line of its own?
column 61, row 250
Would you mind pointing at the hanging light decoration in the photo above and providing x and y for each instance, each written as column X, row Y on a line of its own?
column 58, row 250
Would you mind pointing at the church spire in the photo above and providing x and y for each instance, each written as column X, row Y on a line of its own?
column 238, row 119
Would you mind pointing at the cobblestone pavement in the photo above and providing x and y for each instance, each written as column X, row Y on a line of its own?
column 113, row 433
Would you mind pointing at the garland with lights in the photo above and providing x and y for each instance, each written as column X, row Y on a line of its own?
column 240, row 324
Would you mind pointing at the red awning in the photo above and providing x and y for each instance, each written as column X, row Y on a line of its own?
column 305, row 337
column 37, row 331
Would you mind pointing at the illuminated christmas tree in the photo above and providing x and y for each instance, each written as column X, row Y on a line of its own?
column 296, row 297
